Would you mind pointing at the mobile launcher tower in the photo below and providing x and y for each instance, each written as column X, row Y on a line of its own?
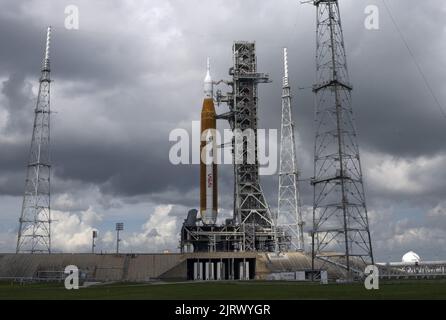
column 252, row 227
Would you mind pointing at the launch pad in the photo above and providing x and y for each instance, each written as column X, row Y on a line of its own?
column 252, row 227
column 228, row 237
column 145, row 267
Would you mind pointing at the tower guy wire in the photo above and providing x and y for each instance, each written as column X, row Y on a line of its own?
column 417, row 65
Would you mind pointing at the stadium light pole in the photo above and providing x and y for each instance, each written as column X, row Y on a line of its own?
column 93, row 244
column 119, row 227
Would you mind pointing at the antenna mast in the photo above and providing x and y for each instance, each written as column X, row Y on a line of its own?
column 34, row 235
column 289, row 208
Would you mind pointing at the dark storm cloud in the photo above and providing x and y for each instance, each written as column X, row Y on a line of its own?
column 396, row 115
column 13, row 161
column 90, row 60
column 90, row 55
column 124, row 78
column 134, row 71
column 18, row 94
column 394, row 110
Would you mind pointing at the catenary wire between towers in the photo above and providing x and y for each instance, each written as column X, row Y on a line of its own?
column 418, row 66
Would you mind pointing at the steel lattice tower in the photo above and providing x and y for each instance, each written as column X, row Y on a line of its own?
column 341, row 232
column 289, row 213
column 34, row 235
column 251, row 211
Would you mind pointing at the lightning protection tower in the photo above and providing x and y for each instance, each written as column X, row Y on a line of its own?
column 289, row 213
column 340, row 232
column 34, row 235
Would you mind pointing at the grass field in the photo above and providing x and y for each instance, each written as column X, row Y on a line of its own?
column 227, row 290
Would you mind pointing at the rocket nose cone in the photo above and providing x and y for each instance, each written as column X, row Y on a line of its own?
column 208, row 78
column 208, row 85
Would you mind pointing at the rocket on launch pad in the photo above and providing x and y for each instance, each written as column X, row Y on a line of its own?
column 208, row 165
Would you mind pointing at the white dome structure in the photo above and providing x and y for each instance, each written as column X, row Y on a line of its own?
column 411, row 257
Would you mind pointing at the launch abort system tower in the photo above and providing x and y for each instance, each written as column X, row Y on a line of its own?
column 340, row 234
column 34, row 235
column 252, row 227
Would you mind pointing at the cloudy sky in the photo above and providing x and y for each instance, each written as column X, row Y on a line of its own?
column 133, row 72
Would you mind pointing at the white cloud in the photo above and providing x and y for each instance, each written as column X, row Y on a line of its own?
column 66, row 202
column 439, row 211
column 420, row 239
column 157, row 234
column 399, row 175
column 72, row 232
column 395, row 232
column 108, row 238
